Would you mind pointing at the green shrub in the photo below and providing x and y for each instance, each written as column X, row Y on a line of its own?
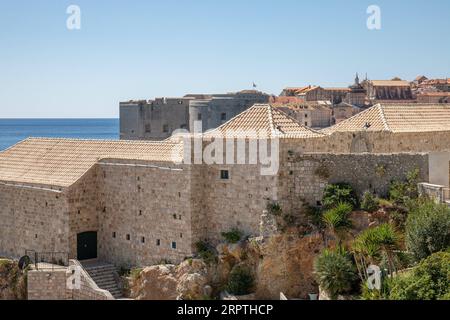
column 430, row 280
column 315, row 216
column 337, row 193
column 135, row 273
column 240, row 281
column 206, row 252
column 369, row 202
column 428, row 229
column 13, row 281
column 334, row 272
column 400, row 192
column 233, row 236
column 274, row 208
column 376, row 294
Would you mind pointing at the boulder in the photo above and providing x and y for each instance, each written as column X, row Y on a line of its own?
column 187, row 281
column 156, row 283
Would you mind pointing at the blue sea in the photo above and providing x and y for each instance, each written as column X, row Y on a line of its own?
column 15, row 130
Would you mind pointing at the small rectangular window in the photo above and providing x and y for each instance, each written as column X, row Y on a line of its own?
column 174, row 245
column 165, row 128
column 114, row 235
column 199, row 116
column 142, row 239
column 128, row 237
column 224, row 174
column 223, row 116
column 158, row 242
column 306, row 123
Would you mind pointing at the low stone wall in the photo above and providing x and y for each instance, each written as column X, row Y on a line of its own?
column 88, row 289
column 47, row 285
column 52, row 285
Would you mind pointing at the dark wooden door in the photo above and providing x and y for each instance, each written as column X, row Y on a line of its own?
column 87, row 245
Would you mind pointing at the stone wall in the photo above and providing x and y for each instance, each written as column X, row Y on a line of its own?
column 52, row 284
column 32, row 219
column 237, row 202
column 47, row 285
column 88, row 289
column 144, row 212
column 84, row 207
column 303, row 177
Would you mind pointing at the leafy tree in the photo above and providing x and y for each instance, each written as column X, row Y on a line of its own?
column 427, row 228
column 337, row 193
column 335, row 272
column 375, row 243
column 430, row 280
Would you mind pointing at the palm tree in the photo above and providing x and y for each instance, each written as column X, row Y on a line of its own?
column 337, row 221
column 370, row 245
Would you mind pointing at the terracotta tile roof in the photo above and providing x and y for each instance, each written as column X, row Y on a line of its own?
column 337, row 89
column 435, row 94
column 263, row 121
column 390, row 83
column 397, row 118
column 61, row 162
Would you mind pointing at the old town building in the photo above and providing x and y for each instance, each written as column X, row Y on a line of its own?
column 135, row 203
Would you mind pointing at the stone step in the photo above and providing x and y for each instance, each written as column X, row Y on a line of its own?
column 103, row 277
column 99, row 272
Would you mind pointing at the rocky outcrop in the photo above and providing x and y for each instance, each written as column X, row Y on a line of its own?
column 285, row 265
column 279, row 262
column 188, row 281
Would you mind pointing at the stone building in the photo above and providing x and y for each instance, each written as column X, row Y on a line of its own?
column 317, row 93
column 344, row 111
column 316, row 115
column 135, row 203
column 158, row 119
column 397, row 90
column 357, row 96
column 433, row 97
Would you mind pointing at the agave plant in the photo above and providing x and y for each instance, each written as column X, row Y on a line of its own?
column 334, row 272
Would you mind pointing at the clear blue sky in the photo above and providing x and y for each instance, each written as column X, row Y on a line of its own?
column 141, row 49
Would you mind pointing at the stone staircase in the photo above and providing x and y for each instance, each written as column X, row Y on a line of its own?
column 104, row 275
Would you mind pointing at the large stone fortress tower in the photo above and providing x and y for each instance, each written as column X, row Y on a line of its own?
column 157, row 119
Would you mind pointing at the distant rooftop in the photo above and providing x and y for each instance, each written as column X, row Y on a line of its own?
column 397, row 118
column 263, row 121
column 390, row 83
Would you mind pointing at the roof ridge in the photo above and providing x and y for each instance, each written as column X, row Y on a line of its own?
column 342, row 123
column 284, row 114
column 57, row 139
column 273, row 129
column 256, row 105
column 383, row 117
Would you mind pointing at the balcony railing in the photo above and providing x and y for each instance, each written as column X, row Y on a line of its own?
column 440, row 193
